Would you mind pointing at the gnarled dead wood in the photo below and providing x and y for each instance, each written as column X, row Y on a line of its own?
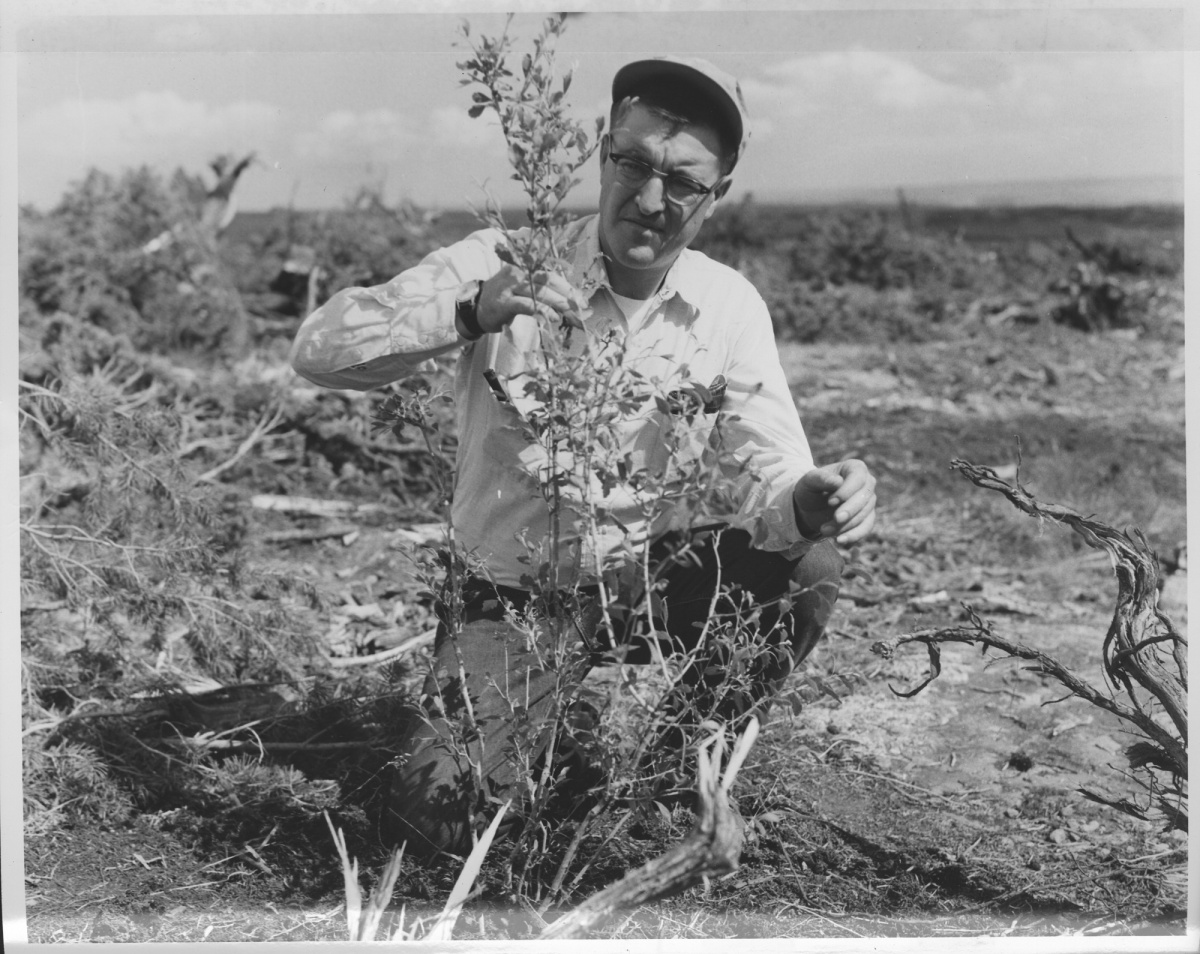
column 1144, row 653
column 219, row 207
column 713, row 847
column 980, row 634
column 1139, row 630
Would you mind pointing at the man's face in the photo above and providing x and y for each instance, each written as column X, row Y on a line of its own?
column 641, row 232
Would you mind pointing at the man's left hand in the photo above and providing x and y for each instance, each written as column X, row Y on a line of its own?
column 836, row 501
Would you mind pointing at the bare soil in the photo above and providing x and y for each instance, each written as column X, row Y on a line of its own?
column 956, row 812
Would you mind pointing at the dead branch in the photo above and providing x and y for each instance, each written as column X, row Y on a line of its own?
column 980, row 634
column 309, row 536
column 1144, row 654
column 1139, row 629
column 219, row 207
column 345, row 662
column 418, row 535
column 235, row 745
column 713, row 848
column 313, row 506
column 265, row 424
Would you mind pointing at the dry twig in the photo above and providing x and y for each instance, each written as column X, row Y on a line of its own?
column 1144, row 654
column 713, row 847
column 313, row 506
column 266, row 423
column 408, row 646
column 309, row 536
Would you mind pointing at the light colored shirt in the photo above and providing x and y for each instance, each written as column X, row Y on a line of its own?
column 705, row 320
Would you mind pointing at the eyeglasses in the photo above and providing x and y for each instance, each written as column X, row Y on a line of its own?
column 678, row 189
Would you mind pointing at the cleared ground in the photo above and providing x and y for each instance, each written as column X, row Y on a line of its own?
column 953, row 813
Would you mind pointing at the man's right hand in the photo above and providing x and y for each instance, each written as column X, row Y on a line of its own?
column 508, row 294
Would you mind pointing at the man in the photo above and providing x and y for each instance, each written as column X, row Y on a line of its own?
column 678, row 128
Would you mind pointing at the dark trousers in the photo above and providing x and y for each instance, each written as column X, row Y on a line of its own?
column 503, row 665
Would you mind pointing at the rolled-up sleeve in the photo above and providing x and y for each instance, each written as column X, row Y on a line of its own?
column 365, row 338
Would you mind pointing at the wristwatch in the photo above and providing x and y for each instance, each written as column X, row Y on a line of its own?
column 466, row 310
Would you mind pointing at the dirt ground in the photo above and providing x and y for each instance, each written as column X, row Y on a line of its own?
column 989, row 759
column 955, row 812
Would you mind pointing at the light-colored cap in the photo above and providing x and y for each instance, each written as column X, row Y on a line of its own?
column 721, row 89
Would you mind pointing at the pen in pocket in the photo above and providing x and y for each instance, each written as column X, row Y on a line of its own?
column 493, row 381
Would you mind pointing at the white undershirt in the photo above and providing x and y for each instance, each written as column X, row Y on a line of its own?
column 635, row 310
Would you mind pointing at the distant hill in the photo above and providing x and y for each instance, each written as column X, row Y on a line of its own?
column 981, row 210
column 1110, row 193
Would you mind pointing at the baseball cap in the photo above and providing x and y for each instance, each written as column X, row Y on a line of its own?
column 717, row 86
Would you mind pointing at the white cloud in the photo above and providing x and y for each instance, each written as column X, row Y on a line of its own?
column 867, row 117
column 142, row 127
column 1114, row 89
column 856, row 78
column 382, row 135
column 451, row 126
column 1073, row 27
column 60, row 142
column 375, row 135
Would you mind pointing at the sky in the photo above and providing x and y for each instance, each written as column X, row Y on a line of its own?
column 840, row 98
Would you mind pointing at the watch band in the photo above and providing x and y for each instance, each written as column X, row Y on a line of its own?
column 466, row 310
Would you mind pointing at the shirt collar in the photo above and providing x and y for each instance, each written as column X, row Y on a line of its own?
column 589, row 274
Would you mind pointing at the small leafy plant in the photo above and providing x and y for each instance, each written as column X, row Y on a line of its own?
column 570, row 403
